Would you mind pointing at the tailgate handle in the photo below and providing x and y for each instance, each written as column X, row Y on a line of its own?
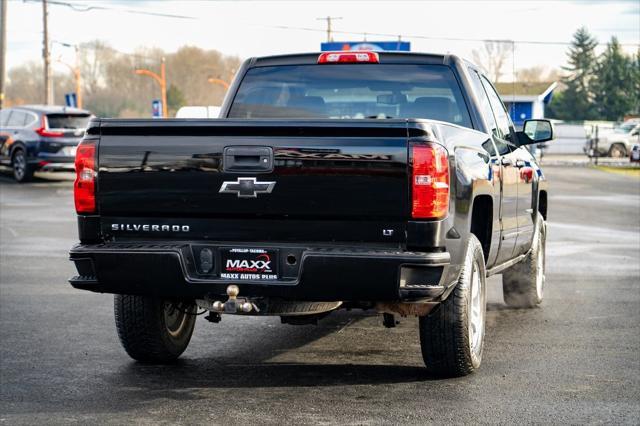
column 249, row 159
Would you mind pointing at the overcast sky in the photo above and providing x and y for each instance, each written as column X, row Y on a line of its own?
column 251, row 28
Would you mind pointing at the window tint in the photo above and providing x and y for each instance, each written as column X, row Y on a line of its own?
column 487, row 112
column 499, row 111
column 350, row 91
column 4, row 117
column 67, row 121
column 16, row 119
column 29, row 119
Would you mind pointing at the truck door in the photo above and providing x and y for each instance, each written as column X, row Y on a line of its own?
column 502, row 133
column 523, row 162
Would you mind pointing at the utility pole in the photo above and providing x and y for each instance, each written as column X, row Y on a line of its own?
column 3, row 47
column 329, row 19
column 48, row 93
column 78, row 77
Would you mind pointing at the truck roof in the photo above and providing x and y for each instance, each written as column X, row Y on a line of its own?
column 385, row 57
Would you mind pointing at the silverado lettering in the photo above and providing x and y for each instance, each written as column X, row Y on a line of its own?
column 149, row 228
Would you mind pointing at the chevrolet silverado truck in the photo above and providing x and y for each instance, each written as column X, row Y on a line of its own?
column 389, row 182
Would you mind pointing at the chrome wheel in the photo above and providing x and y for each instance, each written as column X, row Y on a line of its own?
column 617, row 152
column 477, row 309
column 19, row 165
column 176, row 318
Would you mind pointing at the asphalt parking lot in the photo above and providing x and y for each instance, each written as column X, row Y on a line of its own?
column 576, row 359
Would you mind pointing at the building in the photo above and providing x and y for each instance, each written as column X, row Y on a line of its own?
column 526, row 100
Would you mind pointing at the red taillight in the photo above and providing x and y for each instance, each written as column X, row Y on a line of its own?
column 429, row 182
column 84, row 188
column 346, row 57
column 46, row 133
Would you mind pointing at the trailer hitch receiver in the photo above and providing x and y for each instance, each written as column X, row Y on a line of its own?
column 234, row 304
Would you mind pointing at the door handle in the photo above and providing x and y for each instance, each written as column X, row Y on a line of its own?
column 251, row 159
column 526, row 174
column 520, row 164
column 505, row 161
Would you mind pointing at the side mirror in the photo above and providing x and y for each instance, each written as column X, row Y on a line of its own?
column 535, row 131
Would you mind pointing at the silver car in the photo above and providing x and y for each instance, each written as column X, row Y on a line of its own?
column 617, row 143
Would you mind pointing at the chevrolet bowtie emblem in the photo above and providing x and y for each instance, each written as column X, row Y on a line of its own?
column 247, row 187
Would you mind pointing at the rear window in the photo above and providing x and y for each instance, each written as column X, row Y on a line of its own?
column 67, row 121
column 351, row 91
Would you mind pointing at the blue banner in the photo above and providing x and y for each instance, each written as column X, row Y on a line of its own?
column 156, row 108
column 71, row 100
column 393, row 46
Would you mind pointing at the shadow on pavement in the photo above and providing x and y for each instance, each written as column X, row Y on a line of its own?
column 6, row 177
column 206, row 373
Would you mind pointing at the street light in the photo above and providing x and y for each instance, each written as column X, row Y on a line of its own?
column 218, row 81
column 162, row 81
column 76, row 75
column 75, row 69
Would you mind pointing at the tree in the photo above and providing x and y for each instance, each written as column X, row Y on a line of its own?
column 25, row 84
column 635, row 71
column 614, row 90
column 537, row 74
column 493, row 58
column 175, row 99
column 112, row 89
column 576, row 103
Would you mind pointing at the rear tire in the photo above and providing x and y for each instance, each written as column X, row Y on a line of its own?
column 617, row 151
column 153, row 330
column 452, row 336
column 523, row 283
column 22, row 170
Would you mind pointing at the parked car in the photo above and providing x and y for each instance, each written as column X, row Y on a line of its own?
column 198, row 112
column 360, row 180
column 40, row 137
column 616, row 143
column 634, row 155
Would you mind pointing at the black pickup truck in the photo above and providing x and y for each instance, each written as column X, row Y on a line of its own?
column 391, row 182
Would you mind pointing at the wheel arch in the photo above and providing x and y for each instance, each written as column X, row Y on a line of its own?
column 18, row 144
column 482, row 221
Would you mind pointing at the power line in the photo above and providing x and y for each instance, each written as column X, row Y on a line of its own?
column 81, row 7
column 424, row 37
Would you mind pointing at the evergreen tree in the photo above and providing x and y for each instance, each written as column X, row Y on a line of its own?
column 635, row 72
column 175, row 99
column 614, row 88
column 576, row 101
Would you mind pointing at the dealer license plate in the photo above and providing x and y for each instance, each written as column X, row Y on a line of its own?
column 69, row 150
column 249, row 264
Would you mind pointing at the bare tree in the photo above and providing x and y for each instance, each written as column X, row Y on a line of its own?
column 537, row 74
column 112, row 88
column 493, row 58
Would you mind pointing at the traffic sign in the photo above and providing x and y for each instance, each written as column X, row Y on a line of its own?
column 71, row 100
column 397, row 46
column 156, row 108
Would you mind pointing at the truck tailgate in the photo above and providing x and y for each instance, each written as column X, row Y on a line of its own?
column 321, row 169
